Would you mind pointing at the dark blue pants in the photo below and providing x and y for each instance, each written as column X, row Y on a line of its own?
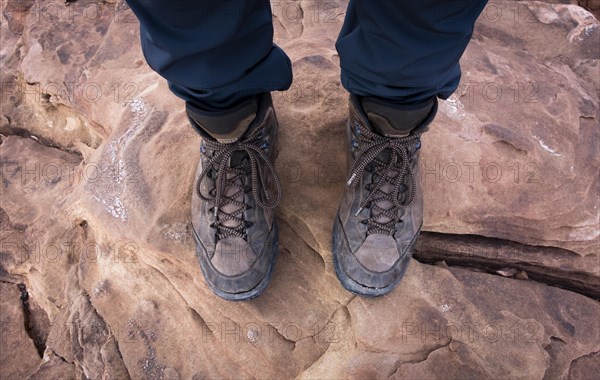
column 215, row 54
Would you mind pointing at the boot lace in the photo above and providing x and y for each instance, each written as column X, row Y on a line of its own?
column 400, row 158
column 231, row 177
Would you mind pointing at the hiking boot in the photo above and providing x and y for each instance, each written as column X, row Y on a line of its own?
column 233, row 202
column 381, row 212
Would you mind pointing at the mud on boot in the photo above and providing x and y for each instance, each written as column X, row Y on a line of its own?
column 380, row 216
column 233, row 201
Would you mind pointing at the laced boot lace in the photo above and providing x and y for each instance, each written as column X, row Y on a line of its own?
column 227, row 197
column 387, row 174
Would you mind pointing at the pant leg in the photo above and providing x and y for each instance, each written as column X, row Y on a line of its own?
column 405, row 50
column 214, row 54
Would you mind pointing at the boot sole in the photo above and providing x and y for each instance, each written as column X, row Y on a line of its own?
column 252, row 293
column 339, row 245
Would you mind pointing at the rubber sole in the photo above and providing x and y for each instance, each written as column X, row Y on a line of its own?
column 252, row 293
column 339, row 244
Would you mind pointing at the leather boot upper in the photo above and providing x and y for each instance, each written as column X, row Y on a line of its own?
column 235, row 194
column 381, row 212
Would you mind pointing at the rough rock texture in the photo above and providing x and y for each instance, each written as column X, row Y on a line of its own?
column 18, row 356
column 98, row 277
column 517, row 161
column 591, row 5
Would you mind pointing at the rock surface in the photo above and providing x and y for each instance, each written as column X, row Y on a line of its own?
column 98, row 276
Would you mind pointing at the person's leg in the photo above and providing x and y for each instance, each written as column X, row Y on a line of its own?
column 220, row 58
column 397, row 57
column 214, row 54
column 405, row 50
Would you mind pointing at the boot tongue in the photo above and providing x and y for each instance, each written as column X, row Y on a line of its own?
column 237, row 157
column 225, row 126
column 395, row 120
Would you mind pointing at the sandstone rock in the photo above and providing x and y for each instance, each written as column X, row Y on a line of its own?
column 471, row 326
column 18, row 355
column 591, row 5
column 550, row 265
column 516, row 161
column 54, row 367
column 95, row 211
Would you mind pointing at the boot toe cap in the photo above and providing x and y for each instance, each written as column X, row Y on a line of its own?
column 233, row 256
column 378, row 253
column 237, row 270
column 377, row 265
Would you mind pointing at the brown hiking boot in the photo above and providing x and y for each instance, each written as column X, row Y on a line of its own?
column 233, row 202
column 381, row 212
